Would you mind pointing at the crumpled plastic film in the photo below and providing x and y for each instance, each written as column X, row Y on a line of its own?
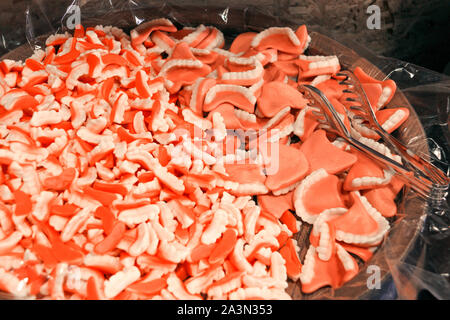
column 414, row 257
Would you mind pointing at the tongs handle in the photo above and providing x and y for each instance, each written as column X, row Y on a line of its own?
column 423, row 169
column 424, row 189
column 333, row 118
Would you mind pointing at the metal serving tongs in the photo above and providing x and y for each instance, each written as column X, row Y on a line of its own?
column 423, row 170
column 332, row 122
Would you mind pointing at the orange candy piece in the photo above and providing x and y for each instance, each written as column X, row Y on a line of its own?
column 321, row 153
column 329, row 273
column 244, row 173
column 282, row 39
column 276, row 205
column 61, row 182
column 223, row 247
column 292, row 167
column 111, row 241
column 364, row 167
column 151, row 287
column 390, row 114
column 277, row 95
column 356, row 220
column 242, row 42
column 293, row 263
column 23, row 203
column 322, row 195
column 290, row 221
column 143, row 31
column 388, row 86
column 382, row 199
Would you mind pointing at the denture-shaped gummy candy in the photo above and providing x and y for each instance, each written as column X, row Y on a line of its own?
column 160, row 165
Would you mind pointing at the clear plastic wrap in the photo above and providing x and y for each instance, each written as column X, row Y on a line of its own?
column 414, row 258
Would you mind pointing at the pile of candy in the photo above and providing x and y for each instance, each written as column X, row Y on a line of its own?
column 161, row 166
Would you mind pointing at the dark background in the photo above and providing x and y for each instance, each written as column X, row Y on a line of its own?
column 416, row 31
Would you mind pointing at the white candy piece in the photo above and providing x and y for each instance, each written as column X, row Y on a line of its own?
column 372, row 239
column 120, row 281
column 275, row 30
column 139, row 215
column 393, row 119
column 300, row 192
column 229, row 87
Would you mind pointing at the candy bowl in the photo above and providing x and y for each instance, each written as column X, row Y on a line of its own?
column 377, row 256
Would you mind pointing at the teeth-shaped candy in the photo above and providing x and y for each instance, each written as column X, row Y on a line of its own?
column 57, row 38
column 215, row 228
column 326, row 242
column 240, row 96
column 17, row 98
column 303, row 37
column 283, row 39
column 41, row 118
column 215, row 39
column 248, row 78
column 119, row 281
column 324, row 216
column 366, row 174
column 324, row 63
column 317, row 65
column 199, row 283
column 386, row 93
column 282, row 174
column 276, row 96
column 163, row 41
column 365, row 253
column 9, row 242
column 199, row 91
column 276, row 205
column 195, row 37
column 220, row 131
column 388, row 86
column 316, row 58
column 321, row 186
column 363, row 129
column 391, row 119
column 244, row 115
column 347, row 261
column 143, row 31
column 139, row 215
column 307, row 273
column 362, row 224
column 316, row 273
column 197, row 153
column 382, row 199
column 381, row 148
column 201, row 123
column 285, row 190
column 319, row 79
column 321, row 153
column 372, row 181
column 276, row 118
column 77, row 72
column 242, row 43
column 305, row 123
column 179, row 63
column 244, row 61
column 230, row 118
